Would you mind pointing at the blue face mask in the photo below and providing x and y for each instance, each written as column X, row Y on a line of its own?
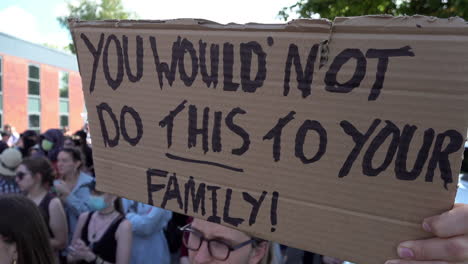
column 96, row 203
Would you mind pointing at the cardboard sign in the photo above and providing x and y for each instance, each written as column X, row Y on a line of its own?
column 337, row 138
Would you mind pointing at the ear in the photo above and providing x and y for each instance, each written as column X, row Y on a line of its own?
column 78, row 164
column 38, row 177
column 259, row 252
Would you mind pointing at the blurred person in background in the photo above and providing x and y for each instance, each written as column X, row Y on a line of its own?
column 35, row 176
column 149, row 241
column 72, row 187
column 68, row 142
column 23, row 232
column 103, row 235
column 27, row 141
column 51, row 142
column 79, row 138
column 14, row 136
column 10, row 159
column 4, row 141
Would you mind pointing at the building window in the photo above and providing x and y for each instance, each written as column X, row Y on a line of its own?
column 34, row 99
column 1, row 92
column 64, row 101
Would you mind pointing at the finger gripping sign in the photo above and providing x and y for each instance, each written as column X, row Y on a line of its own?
column 333, row 137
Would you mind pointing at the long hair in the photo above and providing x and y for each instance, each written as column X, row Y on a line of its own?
column 21, row 223
column 42, row 166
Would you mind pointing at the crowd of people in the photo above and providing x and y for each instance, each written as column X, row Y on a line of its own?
column 53, row 213
column 53, row 173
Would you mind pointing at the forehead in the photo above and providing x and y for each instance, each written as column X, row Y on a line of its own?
column 64, row 155
column 22, row 168
column 211, row 230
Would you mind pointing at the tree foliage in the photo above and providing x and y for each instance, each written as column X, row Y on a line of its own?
column 334, row 8
column 94, row 10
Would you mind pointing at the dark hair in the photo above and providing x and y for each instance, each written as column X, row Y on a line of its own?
column 82, row 135
column 75, row 153
column 41, row 165
column 22, row 223
column 118, row 205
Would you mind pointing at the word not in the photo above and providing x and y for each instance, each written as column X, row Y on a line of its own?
column 172, row 191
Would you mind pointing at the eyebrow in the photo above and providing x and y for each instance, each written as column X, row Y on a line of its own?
column 223, row 239
column 226, row 240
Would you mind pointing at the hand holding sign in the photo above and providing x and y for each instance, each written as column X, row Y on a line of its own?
column 450, row 243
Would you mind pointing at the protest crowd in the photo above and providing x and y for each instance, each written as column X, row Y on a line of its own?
column 52, row 213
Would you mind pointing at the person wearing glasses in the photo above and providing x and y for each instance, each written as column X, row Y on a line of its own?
column 213, row 243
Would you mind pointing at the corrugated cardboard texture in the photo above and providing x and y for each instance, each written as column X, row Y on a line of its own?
column 334, row 138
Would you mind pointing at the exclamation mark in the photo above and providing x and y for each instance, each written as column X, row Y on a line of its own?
column 274, row 206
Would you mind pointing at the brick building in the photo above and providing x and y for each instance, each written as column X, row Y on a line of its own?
column 40, row 88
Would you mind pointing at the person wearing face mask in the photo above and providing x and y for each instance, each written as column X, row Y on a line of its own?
column 51, row 143
column 71, row 187
column 34, row 177
column 103, row 235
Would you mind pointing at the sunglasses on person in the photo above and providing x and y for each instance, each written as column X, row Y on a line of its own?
column 20, row 175
column 218, row 249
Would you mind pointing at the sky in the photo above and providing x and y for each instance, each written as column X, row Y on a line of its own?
column 36, row 21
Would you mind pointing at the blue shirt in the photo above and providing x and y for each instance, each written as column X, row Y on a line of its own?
column 148, row 224
column 75, row 204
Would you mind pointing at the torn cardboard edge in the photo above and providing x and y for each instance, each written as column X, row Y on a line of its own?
column 417, row 22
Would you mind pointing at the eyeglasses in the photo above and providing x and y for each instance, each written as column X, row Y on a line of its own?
column 20, row 175
column 218, row 249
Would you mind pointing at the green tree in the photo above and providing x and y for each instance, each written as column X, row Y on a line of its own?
column 333, row 8
column 437, row 8
column 93, row 10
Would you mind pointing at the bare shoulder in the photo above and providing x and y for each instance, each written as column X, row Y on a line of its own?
column 125, row 227
column 83, row 217
column 55, row 203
